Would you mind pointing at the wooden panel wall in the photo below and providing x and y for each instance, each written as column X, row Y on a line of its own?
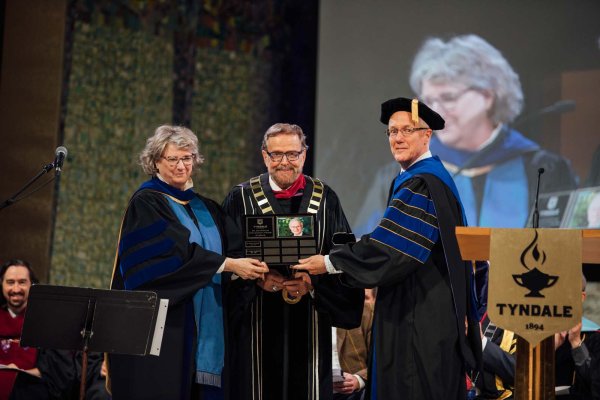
column 580, row 130
column 30, row 92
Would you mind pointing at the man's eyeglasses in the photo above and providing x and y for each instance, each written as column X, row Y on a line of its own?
column 186, row 160
column 446, row 100
column 277, row 156
column 405, row 132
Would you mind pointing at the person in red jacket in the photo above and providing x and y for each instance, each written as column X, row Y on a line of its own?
column 17, row 278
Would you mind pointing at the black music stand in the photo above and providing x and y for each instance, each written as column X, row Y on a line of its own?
column 100, row 320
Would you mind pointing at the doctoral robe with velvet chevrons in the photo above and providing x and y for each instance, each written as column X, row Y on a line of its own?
column 419, row 349
column 155, row 254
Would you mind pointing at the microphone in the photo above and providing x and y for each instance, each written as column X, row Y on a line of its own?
column 536, row 213
column 559, row 107
column 59, row 158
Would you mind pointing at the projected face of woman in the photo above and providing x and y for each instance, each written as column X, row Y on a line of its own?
column 465, row 110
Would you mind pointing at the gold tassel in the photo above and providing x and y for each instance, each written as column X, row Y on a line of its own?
column 415, row 111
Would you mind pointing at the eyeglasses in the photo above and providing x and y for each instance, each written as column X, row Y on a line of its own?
column 277, row 156
column 405, row 132
column 173, row 161
column 446, row 100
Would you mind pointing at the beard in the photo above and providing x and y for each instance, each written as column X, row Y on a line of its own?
column 285, row 176
column 16, row 301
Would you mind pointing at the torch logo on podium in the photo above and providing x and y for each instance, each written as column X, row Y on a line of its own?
column 534, row 279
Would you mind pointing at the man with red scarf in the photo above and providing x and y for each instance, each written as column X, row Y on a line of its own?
column 17, row 277
column 279, row 350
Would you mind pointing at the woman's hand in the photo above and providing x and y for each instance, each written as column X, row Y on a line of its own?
column 246, row 268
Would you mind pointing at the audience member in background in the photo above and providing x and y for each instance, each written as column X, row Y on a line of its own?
column 495, row 167
column 353, row 353
column 497, row 378
column 577, row 359
column 17, row 278
column 50, row 374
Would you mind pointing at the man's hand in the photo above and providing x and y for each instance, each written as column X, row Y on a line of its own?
column 246, row 268
column 314, row 265
column 305, row 277
column 299, row 286
column 104, row 368
column 575, row 336
column 559, row 339
column 273, row 282
column 348, row 385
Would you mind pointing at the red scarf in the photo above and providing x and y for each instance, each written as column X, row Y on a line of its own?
column 290, row 192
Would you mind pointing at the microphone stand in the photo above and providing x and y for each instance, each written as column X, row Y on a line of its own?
column 535, row 220
column 559, row 107
column 13, row 199
column 528, row 357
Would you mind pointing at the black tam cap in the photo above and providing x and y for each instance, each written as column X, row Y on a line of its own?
column 413, row 106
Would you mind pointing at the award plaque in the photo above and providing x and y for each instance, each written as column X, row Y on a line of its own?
column 280, row 240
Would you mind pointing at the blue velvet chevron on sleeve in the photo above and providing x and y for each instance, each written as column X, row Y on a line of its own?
column 147, row 254
column 409, row 224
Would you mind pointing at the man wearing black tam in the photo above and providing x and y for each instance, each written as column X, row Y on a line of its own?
column 425, row 333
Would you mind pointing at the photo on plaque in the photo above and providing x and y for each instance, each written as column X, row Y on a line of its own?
column 295, row 226
column 552, row 209
column 584, row 211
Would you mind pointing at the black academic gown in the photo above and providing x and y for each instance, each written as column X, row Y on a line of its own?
column 419, row 349
column 497, row 377
column 585, row 379
column 61, row 378
column 169, row 376
column 257, row 319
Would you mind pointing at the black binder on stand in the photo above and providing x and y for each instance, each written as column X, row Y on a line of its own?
column 99, row 320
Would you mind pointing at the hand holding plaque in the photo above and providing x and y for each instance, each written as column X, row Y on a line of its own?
column 273, row 281
column 314, row 265
column 297, row 287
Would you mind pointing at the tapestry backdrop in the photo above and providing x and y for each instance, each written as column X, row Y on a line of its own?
column 120, row 90
column 230, row 112
column 132, row 66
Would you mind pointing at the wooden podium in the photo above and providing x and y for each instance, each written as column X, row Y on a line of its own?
column 534, row 378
